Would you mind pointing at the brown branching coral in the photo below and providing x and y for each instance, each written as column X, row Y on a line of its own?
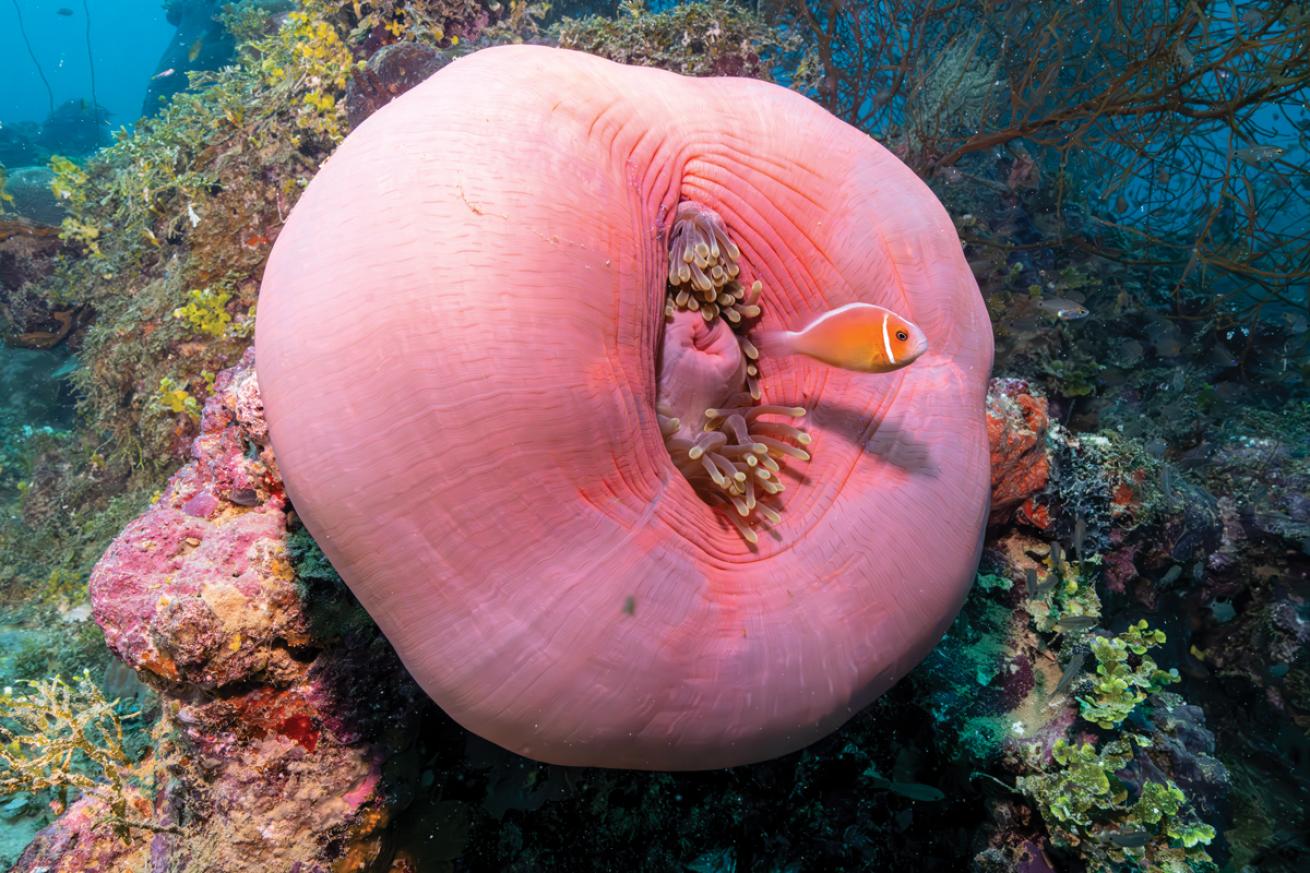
column 60, row 736
column 1164, row 127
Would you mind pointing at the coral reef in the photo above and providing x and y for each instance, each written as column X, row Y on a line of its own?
column 1120, row 772
column 390, row 72
column 1017, row 423
column 1146, row 466
column 81, row 842
column 27, row 320
column 288, row 698
column 279, row 705
column 703, row 38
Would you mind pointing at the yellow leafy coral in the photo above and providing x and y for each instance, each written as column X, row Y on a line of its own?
column 69, row 181
column 175, row 398
column 5, row 196
column 206, row 312
column 69, row 185
column 325, row 65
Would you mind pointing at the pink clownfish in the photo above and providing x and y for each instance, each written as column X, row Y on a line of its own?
column 858, row 336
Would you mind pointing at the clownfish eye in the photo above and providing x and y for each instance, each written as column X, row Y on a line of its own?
column 902, row 335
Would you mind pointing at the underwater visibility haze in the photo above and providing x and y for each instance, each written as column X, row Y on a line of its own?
column 796, row 435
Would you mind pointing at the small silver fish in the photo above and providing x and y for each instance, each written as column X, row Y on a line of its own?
column 164, row 74
column 1063, row 308
column 1259, row 154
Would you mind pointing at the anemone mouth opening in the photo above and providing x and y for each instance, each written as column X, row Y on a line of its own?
column 718, row 431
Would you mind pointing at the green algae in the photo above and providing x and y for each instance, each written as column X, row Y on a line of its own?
column 1087, row 805
column 1119, row 686
column 956, row 679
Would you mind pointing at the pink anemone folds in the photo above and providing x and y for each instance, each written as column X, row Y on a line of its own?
column 484, row 396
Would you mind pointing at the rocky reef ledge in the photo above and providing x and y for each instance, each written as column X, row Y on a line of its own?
column 279, row 706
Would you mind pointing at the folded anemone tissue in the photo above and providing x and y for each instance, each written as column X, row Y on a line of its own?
column 528, row 347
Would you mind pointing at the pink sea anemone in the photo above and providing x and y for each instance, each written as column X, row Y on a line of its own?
column 504, row 425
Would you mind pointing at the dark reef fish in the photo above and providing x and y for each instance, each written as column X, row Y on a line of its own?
column 1076, row 623
column 912, row 790
column 1133, row 839
column 1071, row 672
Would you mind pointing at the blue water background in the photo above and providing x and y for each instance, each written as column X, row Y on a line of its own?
column 127, row 39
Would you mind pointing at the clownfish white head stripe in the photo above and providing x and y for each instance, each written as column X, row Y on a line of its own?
column 886, row 340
